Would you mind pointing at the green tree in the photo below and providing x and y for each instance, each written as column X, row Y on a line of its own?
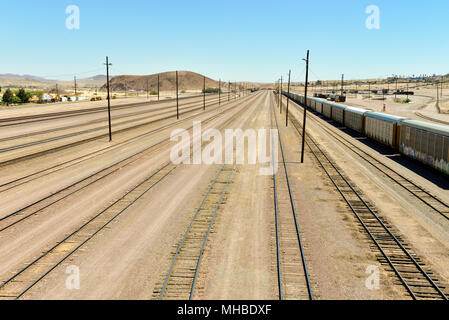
column 23, row 96
column 16, row 99
column 8, row 96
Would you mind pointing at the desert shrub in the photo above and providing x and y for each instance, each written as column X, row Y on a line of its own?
column 211, row 90
column 16, row 99
column 402, row 100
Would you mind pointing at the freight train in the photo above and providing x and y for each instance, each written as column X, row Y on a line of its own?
column 423, row 141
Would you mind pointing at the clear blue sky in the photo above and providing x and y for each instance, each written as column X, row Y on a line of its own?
column 234, row 40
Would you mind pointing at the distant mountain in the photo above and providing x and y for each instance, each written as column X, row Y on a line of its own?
column 97, row 78
column 23, row 76
column 187, row 80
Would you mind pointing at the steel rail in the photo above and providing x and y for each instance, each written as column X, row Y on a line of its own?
column 373, row 162
column 153, row 112
column 73, row 113
column 96, row 129
column 186, row 233
column 83, row 226
column 397, row 272
column 139, row 155
column 298, row 232
column 208, row 231
column 108, row 148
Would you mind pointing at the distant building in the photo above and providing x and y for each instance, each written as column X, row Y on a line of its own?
column 46, row 97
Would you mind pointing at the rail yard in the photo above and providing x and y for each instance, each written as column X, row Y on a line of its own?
column 137, row 225
column 201, row 159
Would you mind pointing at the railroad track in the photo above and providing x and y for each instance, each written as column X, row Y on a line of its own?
column 431, row 119
column 292, row 273
column 180, row 281
column 26, row 278
column 183, row 272
column 425, row 197
column 183, row 111
column 166, row 110
column 30, row 210
column 394, row 253
column 40, row 173
column 72, row 113
column 32, row 273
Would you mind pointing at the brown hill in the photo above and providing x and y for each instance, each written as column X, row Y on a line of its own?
column 186, row 81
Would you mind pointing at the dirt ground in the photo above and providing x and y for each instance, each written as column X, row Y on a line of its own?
column 128, row 259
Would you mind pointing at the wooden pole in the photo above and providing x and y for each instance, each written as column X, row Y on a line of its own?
column 305, row 110
column 288, row 98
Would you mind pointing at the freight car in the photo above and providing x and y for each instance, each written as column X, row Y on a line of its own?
column 426, row 142
column 422, row 141
column 355, row 119
column 338, row 112
column 383, row 128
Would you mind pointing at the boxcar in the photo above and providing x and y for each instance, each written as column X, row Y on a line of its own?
column 355, row 119
column 313, row 104
column 382, row 128
column 426, row 142
column 319, row 106
column 338, row 112
column 326, row 109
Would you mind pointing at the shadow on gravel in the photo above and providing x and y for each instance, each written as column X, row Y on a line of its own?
column 430, row 174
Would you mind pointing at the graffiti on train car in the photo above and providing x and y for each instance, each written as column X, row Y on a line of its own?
column 439, row 164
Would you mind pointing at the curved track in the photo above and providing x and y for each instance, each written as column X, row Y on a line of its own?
column 409, row 269
column 425, row 197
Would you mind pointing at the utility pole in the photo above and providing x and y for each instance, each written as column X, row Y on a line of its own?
column 235, row 89
column 219, row 92
column 204, row 93
column 438, row 94
column 407, row 87
column 76, row 96
column 109, row 97
column 342, row 83
column 396, row 92
column 177, row 97
column 158, row 86
column 280, row 94
column 369, row 90
column 229, row 91
column 305, row 110
column 288, row 98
